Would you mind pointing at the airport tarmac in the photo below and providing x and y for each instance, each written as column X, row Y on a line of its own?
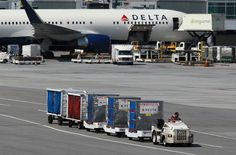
column 197, row 86
column 205, row 98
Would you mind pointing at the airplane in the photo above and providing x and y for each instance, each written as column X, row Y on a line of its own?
column 90, row 29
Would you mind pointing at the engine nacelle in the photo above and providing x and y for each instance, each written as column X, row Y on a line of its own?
column 96, row 43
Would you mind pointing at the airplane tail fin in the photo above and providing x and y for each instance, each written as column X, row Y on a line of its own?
column 32, row 15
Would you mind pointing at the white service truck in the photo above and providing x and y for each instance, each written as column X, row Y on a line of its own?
column 172, row 132
column 122, row 54
column 4, row 57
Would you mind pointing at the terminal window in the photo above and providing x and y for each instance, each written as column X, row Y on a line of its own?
column 227, row 7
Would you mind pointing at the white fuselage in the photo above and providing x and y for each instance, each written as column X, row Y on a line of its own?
column 14, row 23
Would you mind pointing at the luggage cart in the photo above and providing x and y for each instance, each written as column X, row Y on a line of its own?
column 57, row 104
column 141, row 116
column 96, row 111
column 76, row 104
column 117, row 115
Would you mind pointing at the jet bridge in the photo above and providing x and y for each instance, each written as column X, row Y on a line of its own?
column 140, row 32
column 202, row 26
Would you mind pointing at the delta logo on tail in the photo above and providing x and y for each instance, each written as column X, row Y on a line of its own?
column 124, row 18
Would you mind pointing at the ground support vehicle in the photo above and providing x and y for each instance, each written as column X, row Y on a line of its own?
column 172, row 132
column 116, row 115
column 141, row 116
column 4, row 57
column 76, row 106
column 96, row 111
column 122, row 54
column 20, row 60
column 32, row 50
column 93, row 58
column 57, row 104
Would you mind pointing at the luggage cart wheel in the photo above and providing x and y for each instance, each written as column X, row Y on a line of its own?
column 118, row 134
column 50, row 119
column 140, row 139
column 80, row 125
column 130, row 138
column 97, row 130
column 59, row 121
column 71, row 123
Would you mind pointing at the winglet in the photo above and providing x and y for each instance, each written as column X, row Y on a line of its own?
column 32, row 15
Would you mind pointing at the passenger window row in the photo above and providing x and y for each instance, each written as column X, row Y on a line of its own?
column 14, row 23
column 49, row 22
column 70, row 22
column 142, row 23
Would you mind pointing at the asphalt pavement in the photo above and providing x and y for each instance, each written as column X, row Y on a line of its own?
column 205, row 98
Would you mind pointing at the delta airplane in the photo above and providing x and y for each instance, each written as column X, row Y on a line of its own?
column 92, row 29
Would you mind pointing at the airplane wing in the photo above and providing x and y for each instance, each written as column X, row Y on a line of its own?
column 43, row 30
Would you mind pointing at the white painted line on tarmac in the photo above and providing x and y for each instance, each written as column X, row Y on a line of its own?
column 40, row 110
column 209, row 145
column 97, row 138
column 118, row 142
column 20, row 119
column 214, row 135
column 13, row 100
column 6, row 105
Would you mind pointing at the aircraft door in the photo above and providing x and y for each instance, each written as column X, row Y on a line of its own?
column 175, row 23
column 140, row 33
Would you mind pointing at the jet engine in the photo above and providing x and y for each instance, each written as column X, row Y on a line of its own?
column 96, row 43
